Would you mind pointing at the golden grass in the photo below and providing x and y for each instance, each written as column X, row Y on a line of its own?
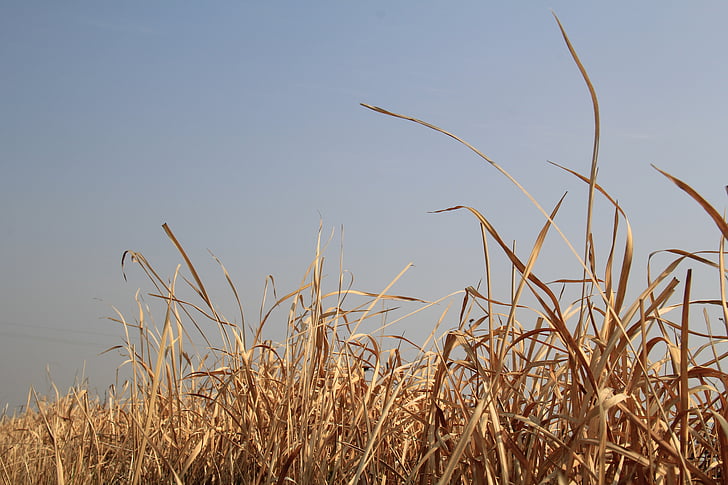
column 607, row 388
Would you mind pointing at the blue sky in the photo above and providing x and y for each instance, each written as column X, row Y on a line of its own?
column 239, row 125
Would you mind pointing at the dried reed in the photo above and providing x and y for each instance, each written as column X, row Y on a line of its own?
column 604, row 389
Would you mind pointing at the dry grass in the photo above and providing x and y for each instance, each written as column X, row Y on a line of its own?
column 606, row 388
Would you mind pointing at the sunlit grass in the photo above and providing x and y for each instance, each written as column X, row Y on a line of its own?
column 613, row 386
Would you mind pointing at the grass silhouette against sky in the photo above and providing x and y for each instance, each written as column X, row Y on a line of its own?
column 240, row 127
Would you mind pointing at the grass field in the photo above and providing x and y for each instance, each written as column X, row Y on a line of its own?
column 613, row 386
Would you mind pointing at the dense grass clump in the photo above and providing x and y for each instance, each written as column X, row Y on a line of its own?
column 606, row 388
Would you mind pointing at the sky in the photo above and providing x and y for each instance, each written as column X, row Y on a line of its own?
column 239, row 125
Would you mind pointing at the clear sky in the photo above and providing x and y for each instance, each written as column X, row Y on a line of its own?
column 239, row 125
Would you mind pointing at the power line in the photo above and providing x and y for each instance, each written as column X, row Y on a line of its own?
column 46, row 338
column 55, row 329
